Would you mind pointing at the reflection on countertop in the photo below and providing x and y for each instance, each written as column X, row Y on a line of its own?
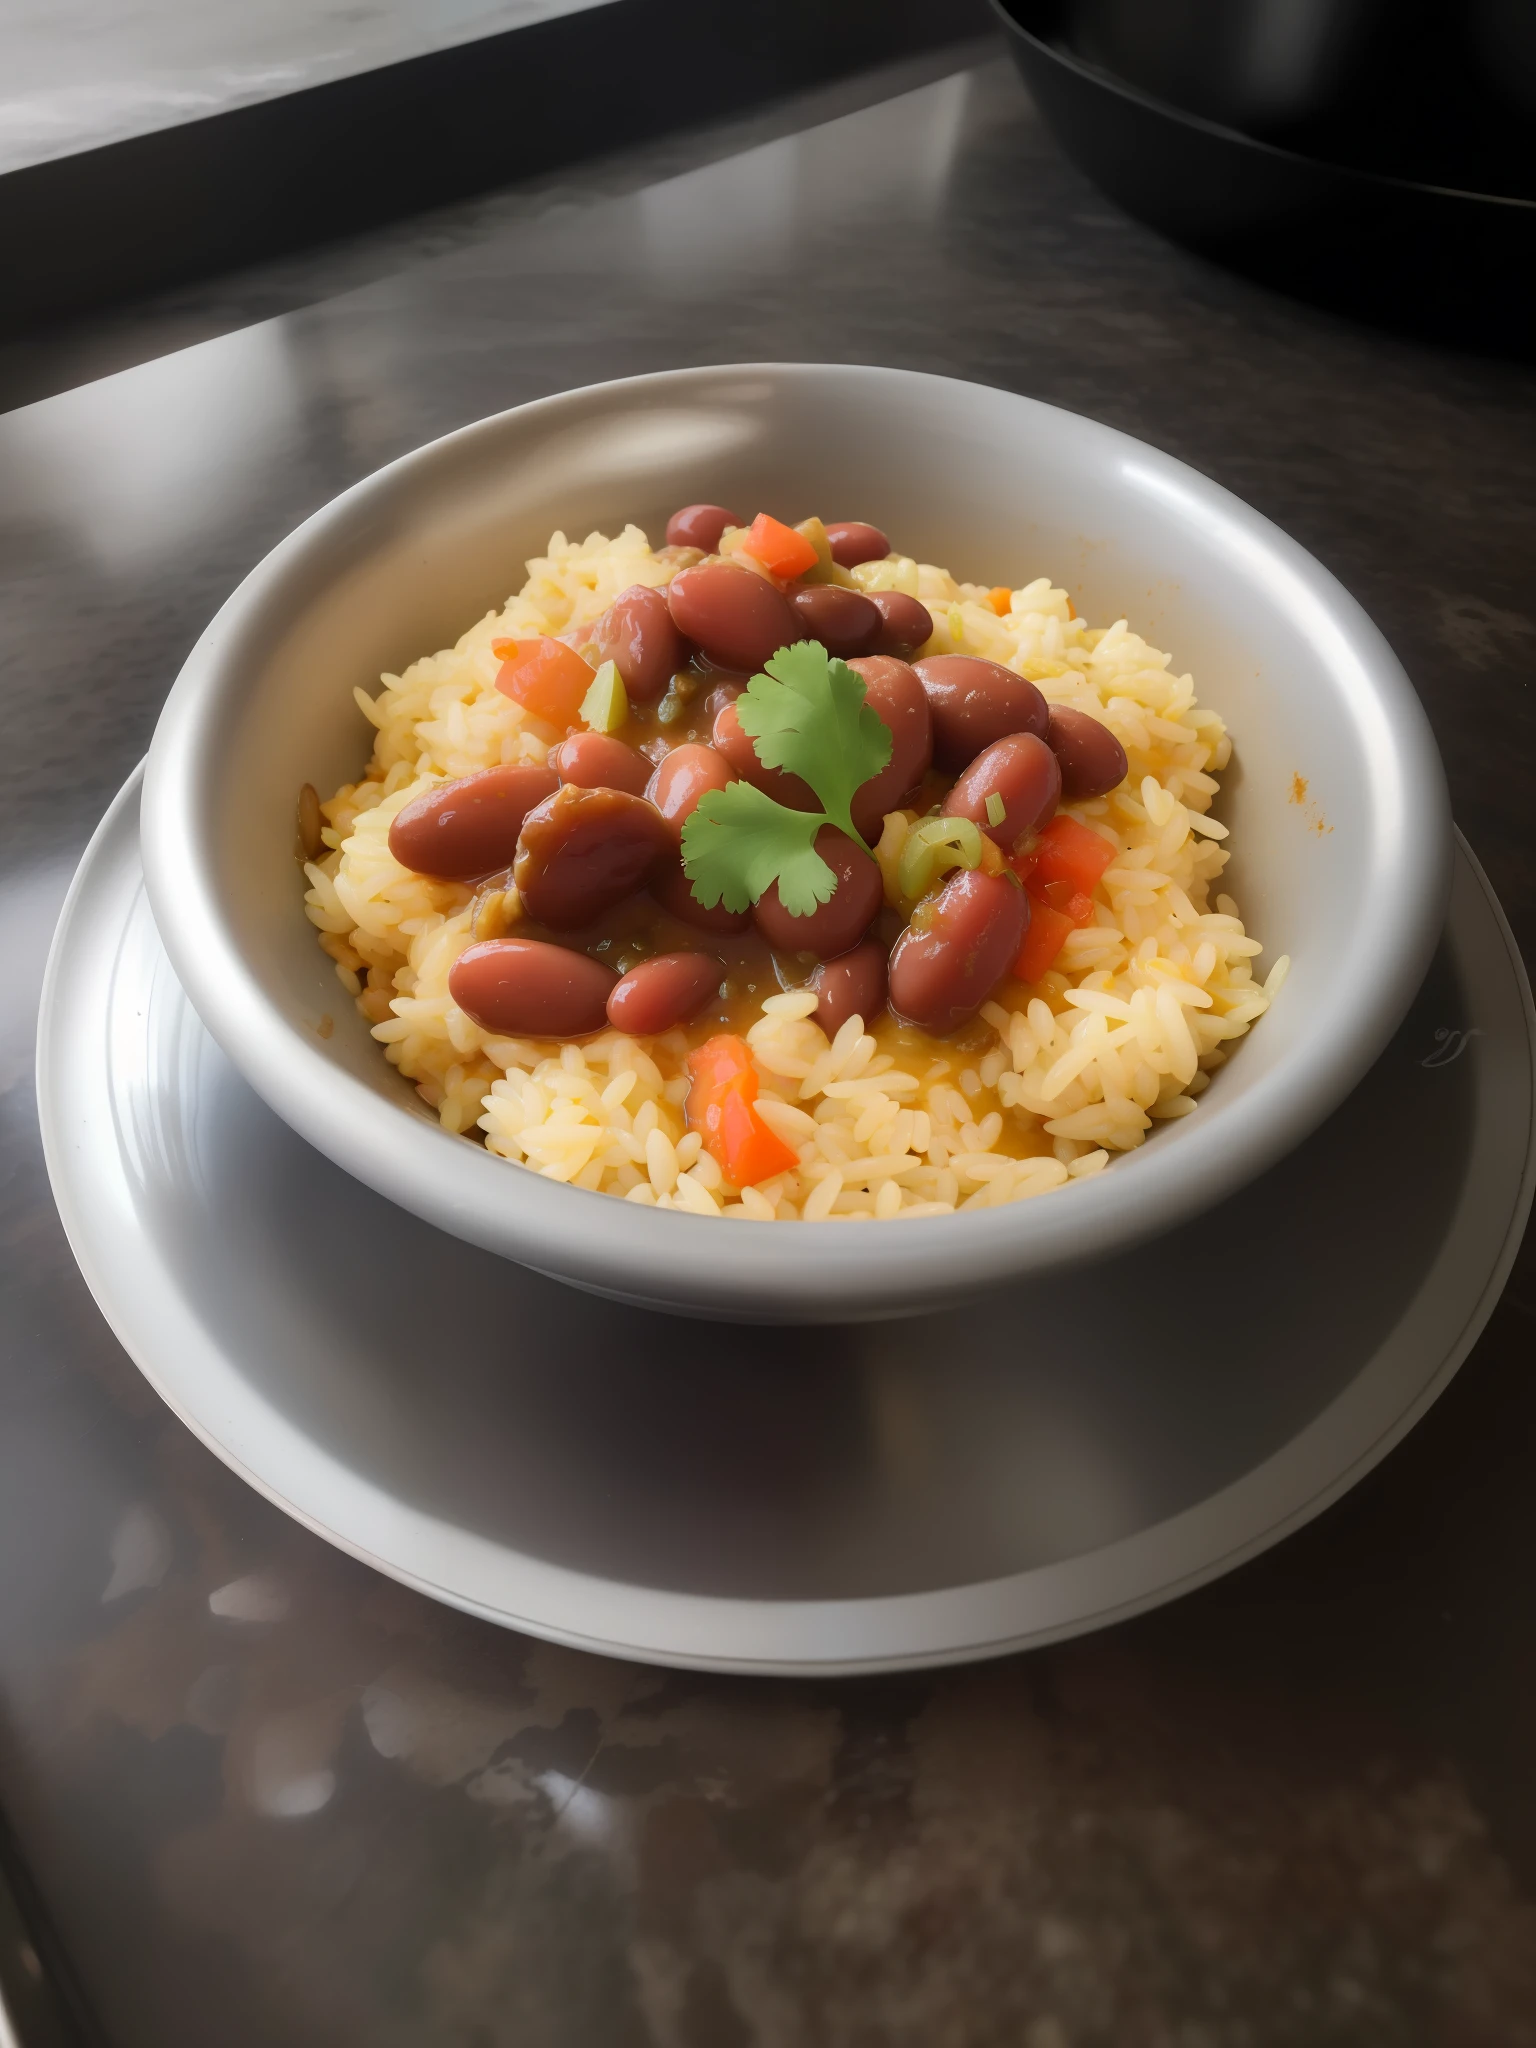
column 257, row 1780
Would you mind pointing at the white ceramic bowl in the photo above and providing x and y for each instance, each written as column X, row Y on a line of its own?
column 1351, row 883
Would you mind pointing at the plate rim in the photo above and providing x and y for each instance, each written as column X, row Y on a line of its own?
column 830, row 1618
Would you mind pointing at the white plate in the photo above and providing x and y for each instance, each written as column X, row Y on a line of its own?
column 821, row 1500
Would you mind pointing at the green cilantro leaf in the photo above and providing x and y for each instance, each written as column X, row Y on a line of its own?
column 738, row 842
column 808, row 715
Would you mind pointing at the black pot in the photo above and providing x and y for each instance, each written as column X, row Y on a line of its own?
column 1377, row 157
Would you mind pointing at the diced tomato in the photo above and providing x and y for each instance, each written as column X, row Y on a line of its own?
column 749, row 1152
column 1060, row 873
column 1072, row 903
column 717, row 1063
column 545, row 676
column 720, row 1109
column 1048, row 932
column 782, row 551
column 1001, row 600
column 1065, row 852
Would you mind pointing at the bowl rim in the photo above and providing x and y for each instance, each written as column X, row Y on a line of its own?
column 798, row 1271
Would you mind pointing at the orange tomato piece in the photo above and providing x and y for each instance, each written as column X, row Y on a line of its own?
column 545, row 676
column 751, row 1152
column 1073, row 903
column 721, row 1109
column 1047, row 934
column 1001, row 600
column 782, row 551
column 1066, row 852
column 717, row 1063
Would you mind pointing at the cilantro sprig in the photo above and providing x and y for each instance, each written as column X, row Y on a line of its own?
column 807, row 715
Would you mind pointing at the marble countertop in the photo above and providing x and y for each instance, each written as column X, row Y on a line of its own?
column 78, row 74
column 268, row 1797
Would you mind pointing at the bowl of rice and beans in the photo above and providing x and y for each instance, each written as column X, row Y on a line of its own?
column 746, row 866
column 992, row 999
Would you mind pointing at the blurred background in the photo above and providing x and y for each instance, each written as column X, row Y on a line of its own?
column 1374, row 155
column 1379, row 155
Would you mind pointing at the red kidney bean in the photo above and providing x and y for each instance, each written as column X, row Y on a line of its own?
column 893, row 692
column 1092, row 760
column 674, row 892
column 583, row 850
column 957, row 948
column 683, row 777
column 852, row 986
column 467, row 828
column 1023, row 772
column 833, row 927
column 662, row 992
column 513, row 986
column 904, row 624
column 852, row 542
column 721, row 695
column 789, row 790
column 596, row 760
column 975, row 702
column 844, row 621
column 636, row 633
column 699, row 526
column 738, row 617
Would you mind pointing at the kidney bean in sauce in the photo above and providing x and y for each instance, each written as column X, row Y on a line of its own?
column 957, row 948
column 833, row 927
column 662, row 992
column 699, row 526
column 470, row 827
column 738, row 617
column 719, row 696
column 518, row 986
column 1020, row 770
column 737, row 747
column 844, row 621
column 904, row 624
column 1092, row 760
column 674, row 892
column 596, row 760
column 975, row 702
column 851, row 986
column 853, row 541
column 893, row 692
column 583, row 850
column 683, row 777
column 637, row 635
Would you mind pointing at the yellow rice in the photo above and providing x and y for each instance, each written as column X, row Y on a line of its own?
column 1123, row 1032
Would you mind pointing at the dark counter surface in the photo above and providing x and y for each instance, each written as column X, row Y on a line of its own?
column 265, row 1796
